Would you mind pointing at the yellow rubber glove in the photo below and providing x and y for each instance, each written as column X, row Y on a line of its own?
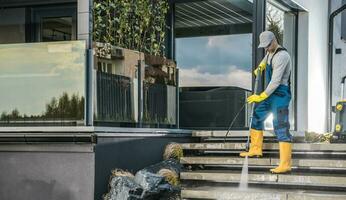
column 261, row 67
column 257, row 98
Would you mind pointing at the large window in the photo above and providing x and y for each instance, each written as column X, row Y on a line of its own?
column 44, row 23
column 214, row 55
column 282, row 22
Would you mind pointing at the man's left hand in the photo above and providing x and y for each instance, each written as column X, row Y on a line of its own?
column 257, row 98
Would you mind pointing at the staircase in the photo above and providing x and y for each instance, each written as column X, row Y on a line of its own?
column 213, row 170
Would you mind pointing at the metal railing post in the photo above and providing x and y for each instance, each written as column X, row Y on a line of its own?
column 177, row 99
column 89, row 118
column 140, row 95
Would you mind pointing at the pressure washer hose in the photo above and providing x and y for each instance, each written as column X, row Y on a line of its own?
column 232, row 122
column 251, row 115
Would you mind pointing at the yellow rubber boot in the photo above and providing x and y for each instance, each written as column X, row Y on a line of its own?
column 285, row 158
column 255, row 145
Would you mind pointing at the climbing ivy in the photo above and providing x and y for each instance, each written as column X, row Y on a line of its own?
column 133, row 24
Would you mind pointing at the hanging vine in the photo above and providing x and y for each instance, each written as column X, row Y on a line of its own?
column 133, row 24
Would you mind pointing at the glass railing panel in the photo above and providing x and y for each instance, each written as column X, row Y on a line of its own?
column 124, row 95
column 159, row 92
column 42, row 84
column 116, row 86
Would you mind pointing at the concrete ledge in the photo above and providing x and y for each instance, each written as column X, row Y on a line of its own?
column 266, row 146
column 80, row 148
column 315, row 196
column 216, row 146
column 318, row 163
column 227, row 193
column 231, row 195
column 244, row 133
column 223, row 161
column 234, row 177
column 226, row 176
column 313, row 180
column 314, row 163
column 238, row 133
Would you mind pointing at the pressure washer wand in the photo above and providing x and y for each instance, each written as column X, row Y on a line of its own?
column 252, row 111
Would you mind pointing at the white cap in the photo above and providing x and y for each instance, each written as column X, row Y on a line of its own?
column 266, row 38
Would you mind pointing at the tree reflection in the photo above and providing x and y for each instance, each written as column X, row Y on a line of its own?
column 275, row 18
column 63, row 107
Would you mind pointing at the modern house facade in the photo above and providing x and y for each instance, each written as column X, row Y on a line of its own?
column 73, row 107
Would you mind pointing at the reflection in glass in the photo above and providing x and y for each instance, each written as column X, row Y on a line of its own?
column 219, row 61
column 116, row 88
column 275, row 21
column 214, row 54
column 159, row 92
column 42, row 83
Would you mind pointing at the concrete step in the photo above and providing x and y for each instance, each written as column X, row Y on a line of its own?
column 266, row 146
column 296, row 162
column 294, row 179
column 221, row 134
column 234, row 193
column 269, row 153
column 240, row 134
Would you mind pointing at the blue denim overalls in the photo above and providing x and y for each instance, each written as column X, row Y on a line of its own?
column 277, row 103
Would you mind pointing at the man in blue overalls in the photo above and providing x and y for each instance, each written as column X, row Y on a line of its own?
column 274, row 99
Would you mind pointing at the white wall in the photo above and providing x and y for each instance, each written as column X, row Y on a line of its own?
column 339, row 60
column 83, row 20
column 302, row 72
column 312, row 65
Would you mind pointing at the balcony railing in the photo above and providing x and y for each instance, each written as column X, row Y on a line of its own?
column 114, row 98
column 133, row 89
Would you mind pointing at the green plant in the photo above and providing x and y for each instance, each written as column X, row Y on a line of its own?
column 133, row 24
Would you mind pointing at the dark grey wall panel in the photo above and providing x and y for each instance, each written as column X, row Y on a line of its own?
column 131, row 153
column 46, row 175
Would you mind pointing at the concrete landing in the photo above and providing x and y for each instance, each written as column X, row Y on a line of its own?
column 289, row 179
column 318, row 163
column 266, row 146
column 229, row 193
